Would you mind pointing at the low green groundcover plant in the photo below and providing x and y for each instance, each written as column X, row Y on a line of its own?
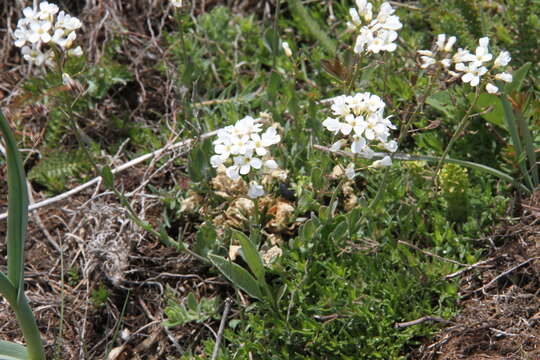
column 339, row 152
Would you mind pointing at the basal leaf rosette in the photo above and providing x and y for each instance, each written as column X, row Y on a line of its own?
column 44, row 29
column 242, row 150
column 359, row 119
column 478, row 68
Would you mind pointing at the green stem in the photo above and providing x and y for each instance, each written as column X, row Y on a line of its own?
column 461, row 127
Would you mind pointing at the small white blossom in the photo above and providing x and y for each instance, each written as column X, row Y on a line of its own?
column 255, row 190
column 472, row 73
column 176, row 3
column 244, row 148
column 286, row 49
column 42, row 26
column 385, row 161
column 374, row 35
column 506, row 77
column 47, row 10
column 502, row 60
column 492, row 89
column 350, row 172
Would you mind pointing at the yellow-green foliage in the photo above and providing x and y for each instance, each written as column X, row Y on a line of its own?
column 454, row 182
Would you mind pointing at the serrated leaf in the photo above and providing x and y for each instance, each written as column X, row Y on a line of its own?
column 239, row 276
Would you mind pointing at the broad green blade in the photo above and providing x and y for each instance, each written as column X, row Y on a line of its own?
column 12, row 351
column 17, row 209
column 251, row 255
column 236, row 274
column 8, row 290
column 513, row 127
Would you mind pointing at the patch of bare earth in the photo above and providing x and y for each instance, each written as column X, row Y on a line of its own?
column 500, row 316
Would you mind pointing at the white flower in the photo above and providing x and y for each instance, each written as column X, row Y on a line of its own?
column 47, row 10
column 75, row 52
column 502, row 60
column 257, row 144
column 246, row 162
column 383, row 42
column 358, row 144
column 255, row 190
column 270, row 137
column 333, row 125
column 67, row 21
column 40, row 31
column 35, row 56
column 482, row 54
column 427, row 61
column 380, row 33
column 349, row 171
column 232, row 172
column 391, row 145
column 270, row 164
column 41, row 26
column 472, row 73
column 385, row 161
column 63, row 41
column 225, row 148
column 463, row 55
column 506, row 77
column 492, row 89
column 30, row 13
column 286, row 49
column 21, row 37
column 216, row 161
column 365, row 9
column 340, row 107
column 338, row 145
column 176, row 3
column 247, row 126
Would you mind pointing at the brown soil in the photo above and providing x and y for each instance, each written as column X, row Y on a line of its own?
column 500, row 317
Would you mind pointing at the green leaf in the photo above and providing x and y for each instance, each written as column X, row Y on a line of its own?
column 17, row 209
column 317, row 178
column 442, row 101
column 8, row 290
column 302, row 17
column 205, row 240
column 516, row 140
column 239, row 276
column 496, row 115
column 12, row 351
column 528, row 144
column 191, row 302
column 518, row 78
column 199, row 167
column 108, row 177
column 250, row 255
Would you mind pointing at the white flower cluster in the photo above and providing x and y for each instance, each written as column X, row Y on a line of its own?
column 244, row 146
column 176, row 3
column 467, row 66
column 361, row 118
column 375, row 34
column 46, row 25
